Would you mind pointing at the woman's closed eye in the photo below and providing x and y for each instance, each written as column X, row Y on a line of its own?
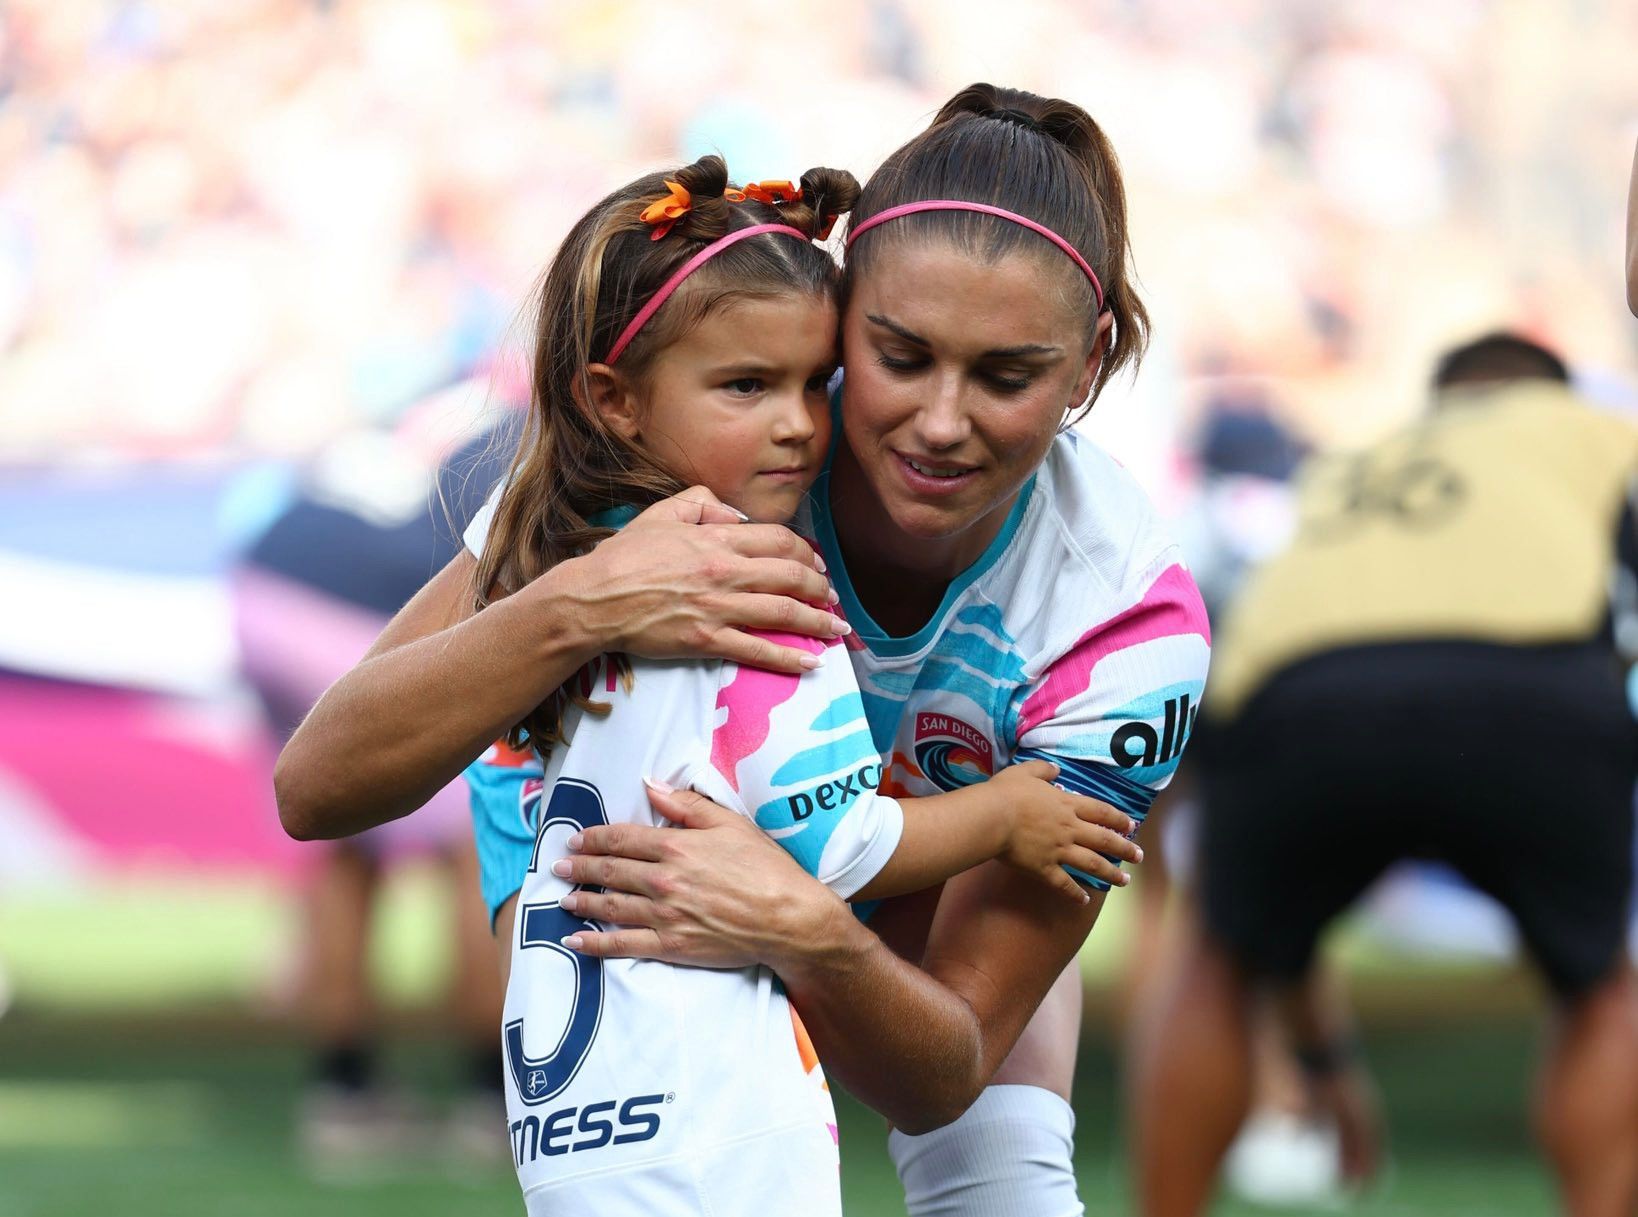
column 902, row 363
column 1001, row 380
column 1008, row 381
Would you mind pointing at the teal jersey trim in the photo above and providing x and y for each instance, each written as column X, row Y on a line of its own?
column 879, row 640
column 613, row 517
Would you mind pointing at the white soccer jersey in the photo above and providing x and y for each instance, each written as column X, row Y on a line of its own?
column 640, row 1087
column 1078, row 636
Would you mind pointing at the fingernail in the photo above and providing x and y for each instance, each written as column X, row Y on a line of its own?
column 575, row 841
column 810, row 662
column 743, row 518
column 561, row 867
column 839, row 626
column 1125, row 878
column 819, row 558
column 833, row 597
column 658, row 786
column 572, row 941
column 1140, row 853
column 570, row 901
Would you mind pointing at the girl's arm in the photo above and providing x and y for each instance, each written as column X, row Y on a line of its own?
column 442, row 683
column 1017, row 816
column 796, row 755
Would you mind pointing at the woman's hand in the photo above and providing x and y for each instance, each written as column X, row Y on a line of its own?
column 1052, row 828
column 686, row 578
column 723, row 895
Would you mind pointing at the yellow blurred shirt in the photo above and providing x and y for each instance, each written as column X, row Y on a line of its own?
column 1494, row 520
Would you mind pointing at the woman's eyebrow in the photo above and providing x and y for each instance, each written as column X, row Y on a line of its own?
column 1027, row 348
column 907, row 335
column 1012, row 352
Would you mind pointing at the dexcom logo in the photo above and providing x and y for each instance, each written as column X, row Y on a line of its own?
column 1137, row 743
column 828, row 796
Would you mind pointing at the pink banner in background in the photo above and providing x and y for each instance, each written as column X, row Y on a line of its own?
column 134, row 779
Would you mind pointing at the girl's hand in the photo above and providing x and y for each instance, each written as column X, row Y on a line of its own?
column 1052, row 829
column 688, row 579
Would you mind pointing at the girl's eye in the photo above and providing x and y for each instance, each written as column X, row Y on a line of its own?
column 745, row 386
column 821, row 382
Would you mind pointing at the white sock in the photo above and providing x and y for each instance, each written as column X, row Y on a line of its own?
column 1008, row 1156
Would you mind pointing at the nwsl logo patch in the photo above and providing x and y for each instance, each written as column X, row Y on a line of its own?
column 952, row 753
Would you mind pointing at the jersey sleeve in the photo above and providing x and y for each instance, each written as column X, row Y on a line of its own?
column 1115, row 709
column 505, row 787
column 795, row 754
column 476, row 531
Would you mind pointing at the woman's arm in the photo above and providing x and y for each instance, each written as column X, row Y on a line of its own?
column 441, row 683
column 920, row 1044
column 431, row 694
column 917, row 1044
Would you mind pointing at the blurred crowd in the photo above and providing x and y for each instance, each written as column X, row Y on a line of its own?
column 249, row 228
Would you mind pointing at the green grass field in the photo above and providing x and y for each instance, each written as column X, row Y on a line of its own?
column 136, row 1078
column 179, row 1118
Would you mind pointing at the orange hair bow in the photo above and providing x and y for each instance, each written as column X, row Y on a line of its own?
column 774, row 193
column 663, row 213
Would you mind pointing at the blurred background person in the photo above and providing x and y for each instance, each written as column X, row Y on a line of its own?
column 1632, row 237
column 1431, row 669
column 311, row 595
column 1240, row 511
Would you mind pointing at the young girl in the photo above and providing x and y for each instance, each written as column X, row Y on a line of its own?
column 687, row 333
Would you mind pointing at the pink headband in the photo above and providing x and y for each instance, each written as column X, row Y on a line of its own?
column 689, row 267
column 904, row 209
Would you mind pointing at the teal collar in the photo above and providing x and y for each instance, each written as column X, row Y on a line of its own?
column 613, row 517
column 879, row 641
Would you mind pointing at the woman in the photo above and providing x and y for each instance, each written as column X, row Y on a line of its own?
column 1013, row 597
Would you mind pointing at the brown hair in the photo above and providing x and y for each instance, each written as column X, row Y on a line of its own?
column 1041, row 157
column 570, row 464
